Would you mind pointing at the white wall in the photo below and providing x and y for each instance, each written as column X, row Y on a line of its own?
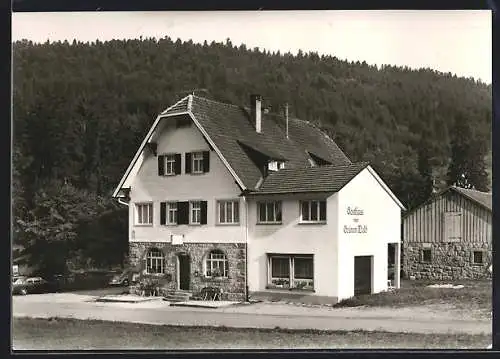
column 290, row 237
column 382, row 216
column 211, row 186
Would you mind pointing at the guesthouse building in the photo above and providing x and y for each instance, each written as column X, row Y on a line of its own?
column 256, row 203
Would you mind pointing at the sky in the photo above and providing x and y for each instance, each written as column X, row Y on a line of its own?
column 456, row 41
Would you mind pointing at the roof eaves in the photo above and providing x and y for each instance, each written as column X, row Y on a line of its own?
column 141, row 147
column 475, row 200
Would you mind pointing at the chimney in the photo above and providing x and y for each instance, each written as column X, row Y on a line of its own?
column 256, row 107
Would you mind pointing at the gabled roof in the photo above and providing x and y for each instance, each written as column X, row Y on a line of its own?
column 482, row 198
column 229, row 129
column 312, row 179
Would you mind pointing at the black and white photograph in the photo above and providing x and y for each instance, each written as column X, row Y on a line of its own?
column 202, row 180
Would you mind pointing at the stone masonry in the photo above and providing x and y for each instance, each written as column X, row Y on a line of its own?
column 233, row 286
column 449, row 261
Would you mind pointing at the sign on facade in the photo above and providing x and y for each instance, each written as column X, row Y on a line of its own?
column 177, row 239
column 355, row 227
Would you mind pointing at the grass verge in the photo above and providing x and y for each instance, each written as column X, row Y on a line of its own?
column 72, row 334
column 476, row 294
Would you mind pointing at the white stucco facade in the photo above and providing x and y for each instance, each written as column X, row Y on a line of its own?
column 332, row 248
column 361, row 219
column 217, row 184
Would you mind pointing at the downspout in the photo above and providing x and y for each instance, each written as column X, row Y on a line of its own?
column 121, row 201
column 247, row 298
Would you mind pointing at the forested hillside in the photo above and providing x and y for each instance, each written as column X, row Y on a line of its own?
column 81, row 110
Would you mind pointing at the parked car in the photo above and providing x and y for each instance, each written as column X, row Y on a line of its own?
column 121, row 279
column 23, row 286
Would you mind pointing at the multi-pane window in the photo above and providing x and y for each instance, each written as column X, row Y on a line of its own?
column 216, row 264
column 291, row 271
column 269, row 212
column 144, row 213
column 229, row 212
column 195, row 212
column 313, row 211
column 170, row 165
column 155, row 261
column 197, row 162
column 477, row 257
column 172, row 213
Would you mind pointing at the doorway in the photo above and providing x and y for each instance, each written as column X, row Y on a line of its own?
column 363, row 275
column 184, row 271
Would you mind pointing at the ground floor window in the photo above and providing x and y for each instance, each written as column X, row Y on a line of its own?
column 477, row 257
column 155, row 261
column 216, row 264
column 290, row 271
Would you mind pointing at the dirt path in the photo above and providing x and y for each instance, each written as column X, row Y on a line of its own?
column 260, row 315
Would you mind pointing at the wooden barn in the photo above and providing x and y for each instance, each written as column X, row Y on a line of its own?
column 449, row 237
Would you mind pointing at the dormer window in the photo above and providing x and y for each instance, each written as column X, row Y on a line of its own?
column 275, row 165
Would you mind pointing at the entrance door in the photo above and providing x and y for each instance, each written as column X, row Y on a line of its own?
column 362, row 275
column 184, row 271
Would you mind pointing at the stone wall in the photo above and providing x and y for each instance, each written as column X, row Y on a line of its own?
column 450, row 261
column 233, row 286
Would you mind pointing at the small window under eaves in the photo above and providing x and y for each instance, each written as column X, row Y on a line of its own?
column 275, row 165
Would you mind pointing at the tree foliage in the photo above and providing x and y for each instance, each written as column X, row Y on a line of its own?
column 81, row 110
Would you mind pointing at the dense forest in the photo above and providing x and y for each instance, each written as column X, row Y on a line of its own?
column 80, row 111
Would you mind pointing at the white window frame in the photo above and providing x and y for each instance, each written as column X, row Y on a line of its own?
column 170, row 164
column 171, row 210
column 276, row 208
column 197, row 157
column 139, row 213
column 215, row 257
column 153, row 257
column 234, row 211
column 194, row 211
column 318, row 212
column 291, row 280
column 274, row 166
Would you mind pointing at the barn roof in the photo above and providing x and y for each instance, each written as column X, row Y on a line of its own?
column 482, row 198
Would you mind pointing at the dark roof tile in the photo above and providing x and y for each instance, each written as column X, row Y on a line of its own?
column 230, row 126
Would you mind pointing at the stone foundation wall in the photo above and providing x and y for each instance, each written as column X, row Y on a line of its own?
column 450, row 261
column 233, row 286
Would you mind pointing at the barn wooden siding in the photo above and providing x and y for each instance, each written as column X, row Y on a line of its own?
column 426, row 224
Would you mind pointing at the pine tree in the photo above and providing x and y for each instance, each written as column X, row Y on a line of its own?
column 467, row 168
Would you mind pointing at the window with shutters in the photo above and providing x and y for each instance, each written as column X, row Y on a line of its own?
column 171, row 213
column 195, row 210
column 170, row 165
column 197, row 162
column 155, row 260
column 144, row 214
column 313, row 211
column 269, row 212
column 228, row 212
column 452, row 226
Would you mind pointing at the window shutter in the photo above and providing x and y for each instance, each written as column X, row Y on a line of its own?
column 188, row 162
column 206, row 161
column 161, row 165
column 163, row 213
column 178, row 163
column 203, row 206
column 182, row 212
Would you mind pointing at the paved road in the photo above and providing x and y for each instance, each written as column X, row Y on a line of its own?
column 260, row 315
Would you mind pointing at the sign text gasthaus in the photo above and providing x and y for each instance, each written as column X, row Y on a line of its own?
column 355, row 228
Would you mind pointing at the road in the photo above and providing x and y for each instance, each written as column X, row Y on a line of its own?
column 258, row 315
